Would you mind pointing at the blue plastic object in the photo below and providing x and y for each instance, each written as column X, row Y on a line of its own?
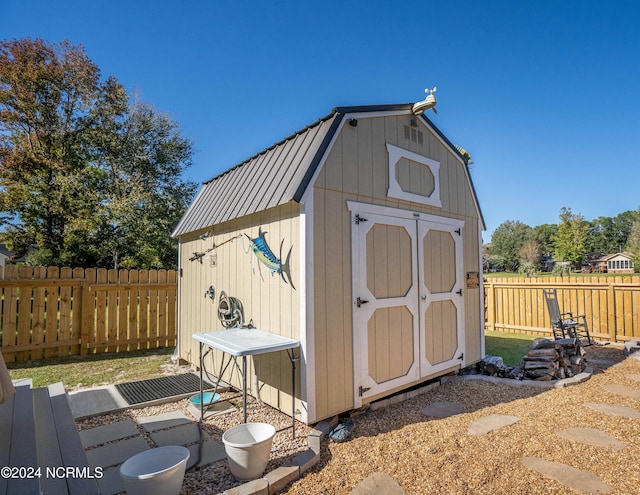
column 207, row 398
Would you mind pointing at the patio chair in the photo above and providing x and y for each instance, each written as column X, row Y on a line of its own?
column 566, row 325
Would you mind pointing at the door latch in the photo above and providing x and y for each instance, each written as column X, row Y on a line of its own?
column 360, row 302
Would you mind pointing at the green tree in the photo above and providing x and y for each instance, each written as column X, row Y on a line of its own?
column 633, row 240
column 609, row 235
column 50, row 99
column 143, row 197
column 543, row 235
column 570, row 240
column 506, row 242
column 86, row 177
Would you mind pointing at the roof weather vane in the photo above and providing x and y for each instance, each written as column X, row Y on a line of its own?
column 428, row 103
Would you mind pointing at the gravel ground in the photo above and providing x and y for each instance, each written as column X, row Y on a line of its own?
column 437, row 456
column 216, row 478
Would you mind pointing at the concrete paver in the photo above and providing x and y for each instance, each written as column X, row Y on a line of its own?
column 163, row 421
column 378, row 484
column 108, row 433
column 442, row 409
column 203, row 454
column 222, row 407
column 614, row 409
column 490, row 423
column 591, row 436
column 577, row 479
column 95, row 401
column 622, row 390
column 116, row 453
column 111, row 481
column 180, row 435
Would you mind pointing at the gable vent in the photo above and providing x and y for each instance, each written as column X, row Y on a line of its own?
column 413, row 135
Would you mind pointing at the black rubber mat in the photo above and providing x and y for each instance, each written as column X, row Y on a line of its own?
column 160, row 388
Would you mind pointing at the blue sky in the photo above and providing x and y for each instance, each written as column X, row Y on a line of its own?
column 545, row 95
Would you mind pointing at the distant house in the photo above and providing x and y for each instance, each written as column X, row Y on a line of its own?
column 618, row 263
column 593, row 263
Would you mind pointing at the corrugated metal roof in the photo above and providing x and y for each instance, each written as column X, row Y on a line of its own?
column 271, row 178
column 277, row 175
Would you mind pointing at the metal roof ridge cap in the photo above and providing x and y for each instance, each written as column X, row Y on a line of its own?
column 374, row 108
column 322, row 149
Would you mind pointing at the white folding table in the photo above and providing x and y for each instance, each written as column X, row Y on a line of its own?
column 243, row 342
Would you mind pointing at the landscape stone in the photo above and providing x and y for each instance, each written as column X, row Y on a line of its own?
column 442, row 409
column 377, row 484
column 577, row 479
column 490, row 423
column 622, row 390
column 631, row 347
column 615, row 410
column 255, row 487
column 591, row 436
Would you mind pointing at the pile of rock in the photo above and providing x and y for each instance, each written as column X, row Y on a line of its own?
column 553, row 359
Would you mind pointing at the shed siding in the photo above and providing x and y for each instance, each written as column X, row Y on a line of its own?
column 356, row 169
column 268, row 302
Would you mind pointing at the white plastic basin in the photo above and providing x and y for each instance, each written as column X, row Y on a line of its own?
column 248, row 447
column 157, row 471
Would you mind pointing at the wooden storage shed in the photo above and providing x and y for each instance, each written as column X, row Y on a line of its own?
column 375, row 232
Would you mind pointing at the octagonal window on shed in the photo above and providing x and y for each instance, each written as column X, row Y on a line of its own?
column 413, row 177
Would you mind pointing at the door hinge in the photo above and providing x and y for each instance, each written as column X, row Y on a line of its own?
column 362, row 390
column 360, row 302
column 457, row 231
column 360, row 219
column 459, row 292
column 461, row 357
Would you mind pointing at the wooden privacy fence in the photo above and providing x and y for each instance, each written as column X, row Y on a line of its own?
column 52, row 311
column 611, row 305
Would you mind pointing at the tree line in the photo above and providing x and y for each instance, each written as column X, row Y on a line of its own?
column 517, row 247
column 89, row 175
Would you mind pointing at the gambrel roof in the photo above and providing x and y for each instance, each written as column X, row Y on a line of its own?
column 279, row 174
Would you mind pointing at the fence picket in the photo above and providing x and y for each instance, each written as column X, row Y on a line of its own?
column 611, row 304
column 52, row 311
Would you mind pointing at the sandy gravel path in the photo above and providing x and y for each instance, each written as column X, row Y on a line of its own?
column 437, row 456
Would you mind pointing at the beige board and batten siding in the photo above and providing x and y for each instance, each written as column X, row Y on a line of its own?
column 356, row 169
column 269, row 303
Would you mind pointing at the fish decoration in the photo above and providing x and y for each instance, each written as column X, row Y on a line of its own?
column 265, row 256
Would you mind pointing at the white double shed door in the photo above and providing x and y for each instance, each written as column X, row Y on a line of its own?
column 408, row 308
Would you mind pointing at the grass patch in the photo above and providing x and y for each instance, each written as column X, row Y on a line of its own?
column 510, row 347
column 99, row 369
